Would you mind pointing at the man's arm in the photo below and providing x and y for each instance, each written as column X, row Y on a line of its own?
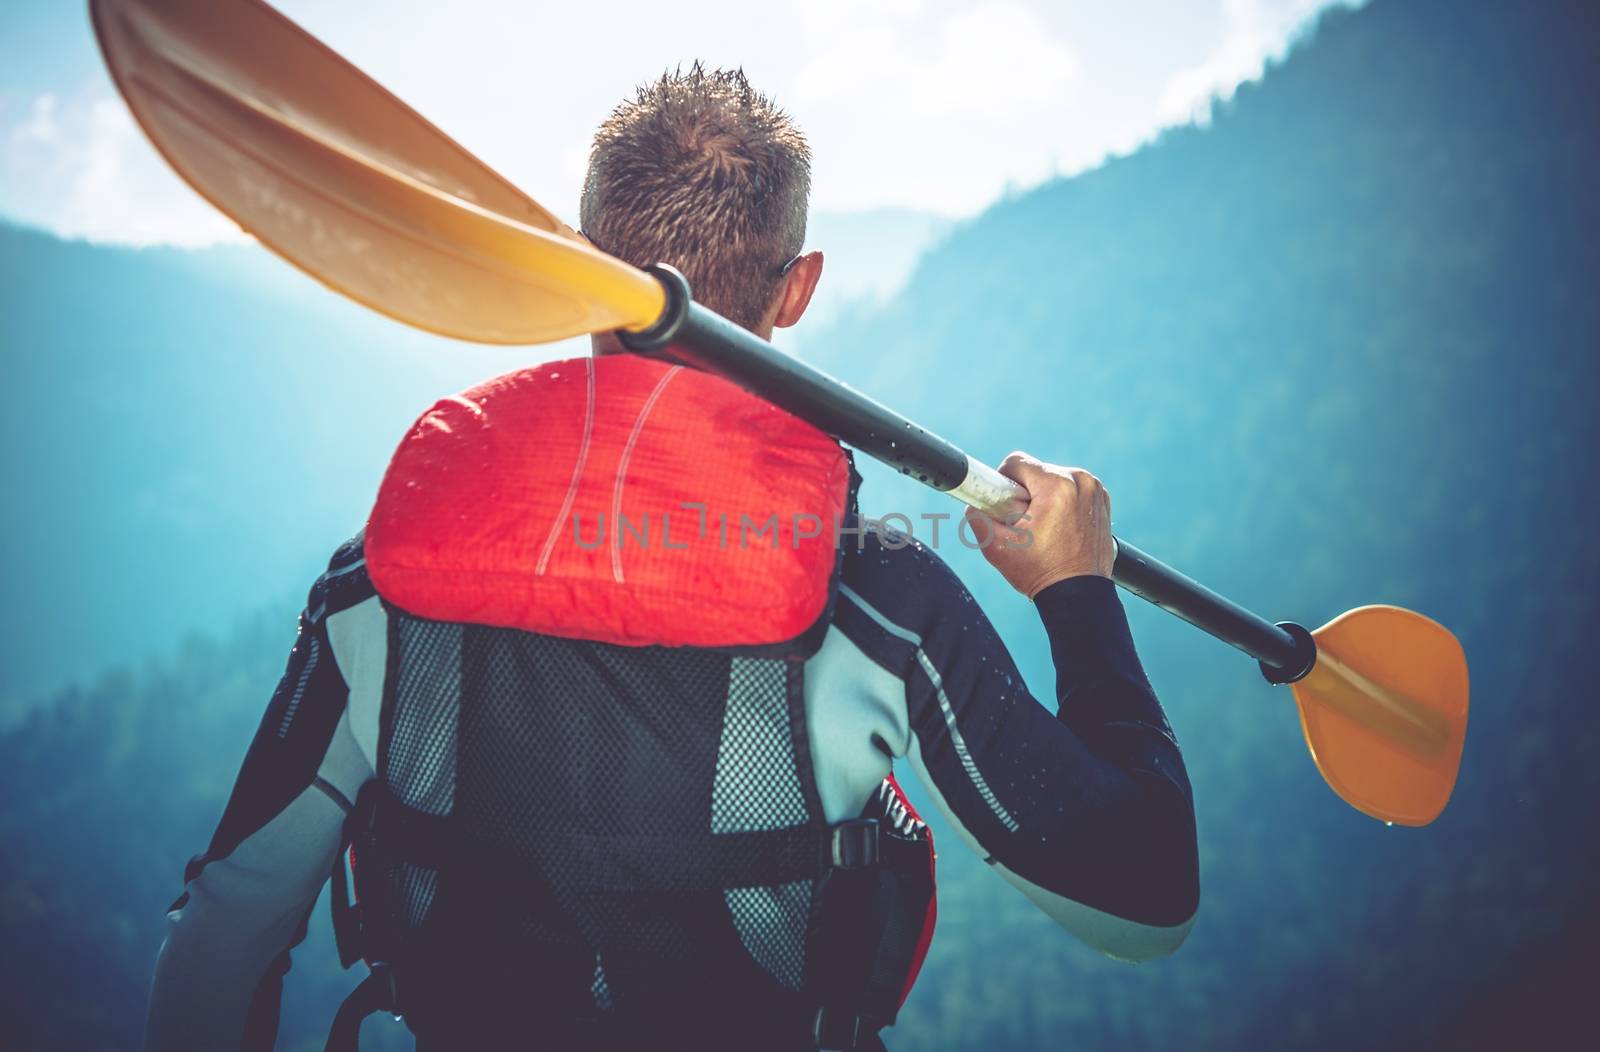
column 247, row 898
column 1087, row 811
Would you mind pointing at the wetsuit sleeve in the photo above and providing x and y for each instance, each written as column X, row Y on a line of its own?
column 1087, row 809
column 248, row 896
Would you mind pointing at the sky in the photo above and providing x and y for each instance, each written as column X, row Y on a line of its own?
column 938, row 106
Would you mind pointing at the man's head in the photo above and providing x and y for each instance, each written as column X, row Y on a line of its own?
column 702, row 171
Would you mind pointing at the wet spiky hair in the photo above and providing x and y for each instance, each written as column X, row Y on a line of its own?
column 702, row 171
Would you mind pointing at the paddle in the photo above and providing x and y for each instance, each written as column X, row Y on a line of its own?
column 346, row 182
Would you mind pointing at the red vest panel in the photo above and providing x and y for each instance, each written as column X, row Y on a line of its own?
column 617, row 499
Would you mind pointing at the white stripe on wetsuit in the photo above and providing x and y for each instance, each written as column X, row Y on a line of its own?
column 956, row 740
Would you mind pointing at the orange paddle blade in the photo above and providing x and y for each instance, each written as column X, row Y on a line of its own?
column 346, row 182
column 1385, row 712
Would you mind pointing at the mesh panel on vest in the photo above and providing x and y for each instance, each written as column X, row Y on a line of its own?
column 416, row 887
column 768, row 920
column 421, row 764
column 758, row 785
column 588, row 794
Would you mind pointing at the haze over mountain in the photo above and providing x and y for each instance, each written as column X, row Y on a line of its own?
column 193, row 432
column 1336, row 347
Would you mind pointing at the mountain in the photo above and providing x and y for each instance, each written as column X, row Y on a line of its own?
column 1335, row 347
column 189, row 435
column 192, row 433
column 867, row 258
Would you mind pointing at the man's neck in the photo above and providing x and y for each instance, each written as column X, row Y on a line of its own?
column 604, row 343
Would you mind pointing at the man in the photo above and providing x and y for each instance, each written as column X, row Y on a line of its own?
column 567, row 772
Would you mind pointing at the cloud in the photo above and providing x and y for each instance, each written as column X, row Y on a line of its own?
column 40, row 125
column 994, row 61
column 1256, row 31
column 935, row 105
column 82, row 168
column 946, row 93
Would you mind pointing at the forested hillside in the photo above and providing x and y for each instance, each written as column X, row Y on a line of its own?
column 1337, row 346
column 191, row 433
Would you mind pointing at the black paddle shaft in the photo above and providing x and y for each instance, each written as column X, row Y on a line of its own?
column 693, row 335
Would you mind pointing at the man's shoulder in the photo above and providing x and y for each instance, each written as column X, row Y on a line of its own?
column 344, row 584
column 897, row 578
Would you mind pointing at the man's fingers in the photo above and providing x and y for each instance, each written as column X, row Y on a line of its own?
column 1086, row 481
column 1032, row 473
column 1047, row 483
column 1052, row 485
column 988, row 529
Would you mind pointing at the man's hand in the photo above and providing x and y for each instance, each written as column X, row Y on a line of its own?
column 1066, row 531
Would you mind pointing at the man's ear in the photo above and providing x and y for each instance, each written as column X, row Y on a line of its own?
column 801, row 283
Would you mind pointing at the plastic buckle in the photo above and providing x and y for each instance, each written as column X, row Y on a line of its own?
column 832, row 1033
column 854, row 844
column 382, row 971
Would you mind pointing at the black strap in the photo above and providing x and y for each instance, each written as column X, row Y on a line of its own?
column 348, row 934
column 630, row 863
column 838, row 1031
column 346, row 922
column 860, row 966
column 905, row 889
column 374, row 994
column 870, row 927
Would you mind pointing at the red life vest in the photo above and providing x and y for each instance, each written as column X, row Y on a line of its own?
column 618, row 499
column 593, row 569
